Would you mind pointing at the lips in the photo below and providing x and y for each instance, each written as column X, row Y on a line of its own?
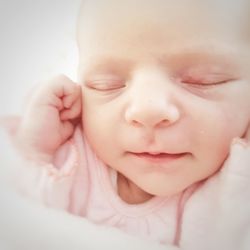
column 159, row 156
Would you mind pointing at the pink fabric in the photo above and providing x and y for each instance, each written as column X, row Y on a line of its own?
column 81, row 184
column 203, row 217
column 217, row 215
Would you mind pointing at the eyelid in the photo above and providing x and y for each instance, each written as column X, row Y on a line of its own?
column 206, row 78
column 105, row 83
column 207, row 82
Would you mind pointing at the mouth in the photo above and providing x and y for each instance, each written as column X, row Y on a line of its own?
column 158, row 157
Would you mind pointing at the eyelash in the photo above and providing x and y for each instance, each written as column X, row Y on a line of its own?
column 206, row 84
column 103, row 85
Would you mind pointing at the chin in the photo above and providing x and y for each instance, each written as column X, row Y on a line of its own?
column 171, row 191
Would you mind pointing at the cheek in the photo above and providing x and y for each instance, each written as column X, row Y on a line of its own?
column 94, row 127
column 226, row 117
column 216, row 132
column 99, row 126
column 235, row 120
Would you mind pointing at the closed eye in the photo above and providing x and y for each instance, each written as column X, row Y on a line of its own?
column 207, row 83
column 206, row 80
column 206, row 75
column 106, row 84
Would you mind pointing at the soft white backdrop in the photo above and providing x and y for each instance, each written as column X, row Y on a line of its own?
column 37, row 41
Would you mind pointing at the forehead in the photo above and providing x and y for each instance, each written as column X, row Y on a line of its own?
column 148, row 28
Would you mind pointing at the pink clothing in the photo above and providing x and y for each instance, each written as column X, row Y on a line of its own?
column 215, row 216
column 81, row 184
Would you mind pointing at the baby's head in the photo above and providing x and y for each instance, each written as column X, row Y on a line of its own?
column 166, row 86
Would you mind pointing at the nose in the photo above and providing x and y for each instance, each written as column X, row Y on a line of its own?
column 152, row 108
column 152, row 113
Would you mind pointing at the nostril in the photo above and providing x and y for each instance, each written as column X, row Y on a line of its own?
column 158, row 115
column 150, row 122
column 164, row 122
column 136, row 123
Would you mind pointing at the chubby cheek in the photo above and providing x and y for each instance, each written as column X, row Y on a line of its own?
column 98, row 125
column 216, row 133
column 94, row 129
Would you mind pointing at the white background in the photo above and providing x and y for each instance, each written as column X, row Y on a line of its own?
column 37, row 41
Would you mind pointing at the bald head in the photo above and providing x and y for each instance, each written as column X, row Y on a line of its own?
column 116, row 27
column 222, row 15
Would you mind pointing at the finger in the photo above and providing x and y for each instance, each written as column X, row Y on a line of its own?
column 63, row 86
column 67, row 130
column 235, row 179
column 53, row 91
column 72, row 113
column 71, row 98
column 56, row 102
column 238, row 162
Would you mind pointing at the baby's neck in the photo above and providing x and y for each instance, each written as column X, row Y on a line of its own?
column 129, row 192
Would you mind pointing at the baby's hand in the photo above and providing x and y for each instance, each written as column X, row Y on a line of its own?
column 217, row 216
column 49, row 118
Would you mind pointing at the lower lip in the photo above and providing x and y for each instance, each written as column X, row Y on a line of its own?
column 159, row 158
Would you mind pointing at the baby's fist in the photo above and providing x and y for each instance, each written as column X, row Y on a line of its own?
column 49, row 118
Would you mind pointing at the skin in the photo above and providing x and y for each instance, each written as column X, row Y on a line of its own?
column 162, row 82
column 155, row 83
column 48, row 120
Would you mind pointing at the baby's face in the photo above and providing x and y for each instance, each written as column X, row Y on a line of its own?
column 165, row 88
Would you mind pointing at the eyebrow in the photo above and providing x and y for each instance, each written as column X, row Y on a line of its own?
column 179, row 56
column 229, row 60
column 111, row 64
column 186, row 55
column 212, row 50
